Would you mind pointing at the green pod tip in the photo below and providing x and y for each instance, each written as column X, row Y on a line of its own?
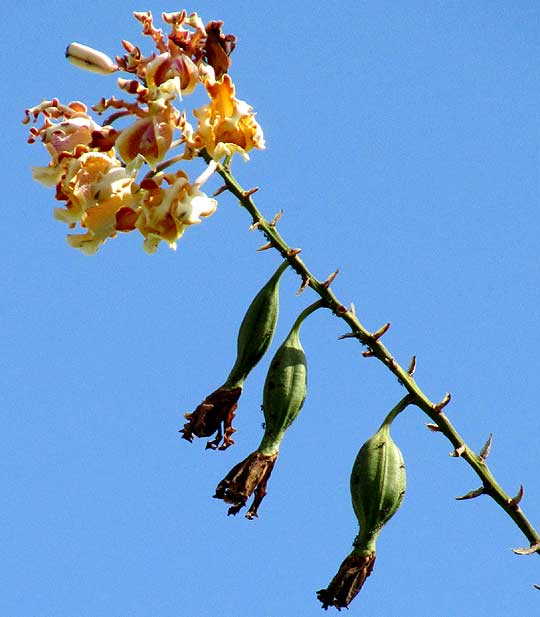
column 256, row 330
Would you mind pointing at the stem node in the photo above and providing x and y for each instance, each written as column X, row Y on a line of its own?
column 438, row 407
column 458, row 451
column 533, row 548
column 484, row 453
column 276, row 218
column 381, row 331
column 220, row 190
column 514, row 501
column 330, row 279
column 305, row 284
column 348, row 335
column 250, row 192
column 472, row 494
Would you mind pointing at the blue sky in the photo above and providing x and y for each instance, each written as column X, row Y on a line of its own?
column 403, row 148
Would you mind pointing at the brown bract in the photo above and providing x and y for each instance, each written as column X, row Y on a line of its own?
column 214, row 415
column 350, row 578
column 247, row 478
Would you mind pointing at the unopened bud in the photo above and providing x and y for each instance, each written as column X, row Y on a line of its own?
column 90, row 59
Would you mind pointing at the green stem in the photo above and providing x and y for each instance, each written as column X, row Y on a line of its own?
column 376, row 349
column 401, row 406
column 307, row 311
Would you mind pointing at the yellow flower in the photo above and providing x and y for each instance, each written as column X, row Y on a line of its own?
column 226, row 124
column 103, row 221
column 99, row 196
column 166, row 212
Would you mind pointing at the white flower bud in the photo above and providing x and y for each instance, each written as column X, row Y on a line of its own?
column 90, row 59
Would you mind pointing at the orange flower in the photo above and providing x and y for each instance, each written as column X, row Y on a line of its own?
column 95, row 188
column 166, row 212
column 103, row 221
column 226, row 124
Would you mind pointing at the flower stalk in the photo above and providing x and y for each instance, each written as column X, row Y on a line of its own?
column 377, row 349
column 97, row 172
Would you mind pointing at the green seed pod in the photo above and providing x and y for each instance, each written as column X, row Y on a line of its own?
column 257, row 329
column 377, row 485
column 377, row 490
column 283, row 397
column 285, row 386
column 215, row 414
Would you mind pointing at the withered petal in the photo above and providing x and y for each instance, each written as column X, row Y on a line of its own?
column 214, row 415
column 218, row 47
column 249, row 477
column 346, row 584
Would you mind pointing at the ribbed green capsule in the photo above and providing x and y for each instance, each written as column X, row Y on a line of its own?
column 283, row 396
column 257, row 329
column 377, row 490
column 378, row 483
column 215, row 414
column 285, row 386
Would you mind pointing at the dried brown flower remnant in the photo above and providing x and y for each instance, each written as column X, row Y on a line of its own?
column 218, row 48
column 346, row 584
column 214, row 415
column 248, row 477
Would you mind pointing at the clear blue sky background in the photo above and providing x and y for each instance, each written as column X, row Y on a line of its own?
column 403, row 147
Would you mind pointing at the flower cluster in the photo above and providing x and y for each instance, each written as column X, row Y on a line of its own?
column 97, row 168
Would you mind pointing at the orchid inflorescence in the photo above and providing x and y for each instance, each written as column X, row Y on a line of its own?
column 96, row 167
column 123, row 175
